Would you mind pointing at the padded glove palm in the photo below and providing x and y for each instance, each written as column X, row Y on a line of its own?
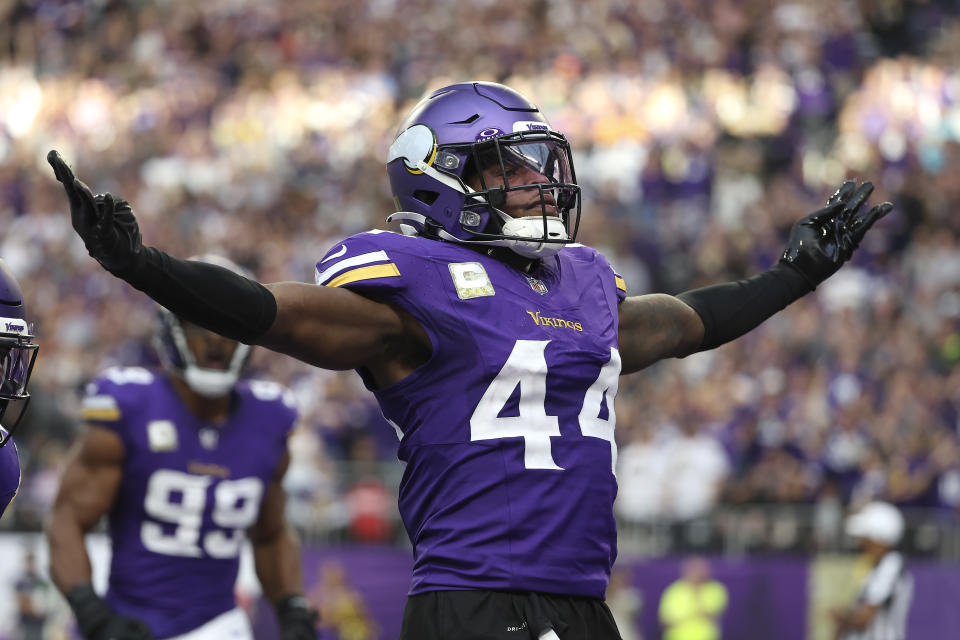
column 822, row 241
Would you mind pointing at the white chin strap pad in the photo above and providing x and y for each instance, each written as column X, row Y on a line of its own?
column 532, row 227
column 210, row 383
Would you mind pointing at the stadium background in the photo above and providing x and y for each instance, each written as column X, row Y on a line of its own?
column 702, row 131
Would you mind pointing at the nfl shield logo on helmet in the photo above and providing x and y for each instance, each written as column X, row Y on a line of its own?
column 537, row 285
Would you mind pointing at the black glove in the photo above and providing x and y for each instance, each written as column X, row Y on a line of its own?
column 106, row 224
column 822, row 241
column 297, row 620
column 97, row 621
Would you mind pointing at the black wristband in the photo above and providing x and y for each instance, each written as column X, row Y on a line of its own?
column 205, row 294
column 89, row 609
column 730, row 310
column 291, row 602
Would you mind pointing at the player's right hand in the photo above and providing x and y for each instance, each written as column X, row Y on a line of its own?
column 105, row 223
column 97, row 621
column 821, row 242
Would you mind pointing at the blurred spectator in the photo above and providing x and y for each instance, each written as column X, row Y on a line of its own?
column 33, row 600
column 343, row 613
column 691, row 607
column 694, row 469
column 626, row 603
column 640, row 474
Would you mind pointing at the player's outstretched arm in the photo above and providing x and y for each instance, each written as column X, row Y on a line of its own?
column 88, row 488
column 276, row 554
column 655, row 327
column 326, row 327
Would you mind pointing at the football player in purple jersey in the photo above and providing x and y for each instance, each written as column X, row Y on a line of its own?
column 493, row 343
column 187, row 463
column 17, row 354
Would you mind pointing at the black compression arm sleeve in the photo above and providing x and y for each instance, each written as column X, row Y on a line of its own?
column 205, row 294
column 732, row 309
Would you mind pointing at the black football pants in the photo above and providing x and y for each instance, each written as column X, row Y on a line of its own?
column 505, row 615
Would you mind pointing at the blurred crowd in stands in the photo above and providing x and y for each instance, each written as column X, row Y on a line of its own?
column 702, row 130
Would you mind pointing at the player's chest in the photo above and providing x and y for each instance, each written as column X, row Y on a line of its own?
column 486, row 302
column 175, row 442
column 197, row 493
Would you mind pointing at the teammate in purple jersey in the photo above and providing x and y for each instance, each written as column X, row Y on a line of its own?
column 17, row 354
column 187, row 464
column 493, row 343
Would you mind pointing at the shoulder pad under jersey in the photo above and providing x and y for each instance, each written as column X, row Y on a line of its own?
column 372, row 261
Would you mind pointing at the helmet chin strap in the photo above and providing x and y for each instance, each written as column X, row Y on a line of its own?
column 532, row 227
column 521, row 228
column 209, row 383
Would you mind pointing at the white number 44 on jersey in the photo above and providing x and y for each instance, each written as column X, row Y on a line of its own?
column 527, row 366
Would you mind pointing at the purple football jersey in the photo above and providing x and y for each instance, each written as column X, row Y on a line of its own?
column 190, row 491
column 507, row 430
column 9, row 472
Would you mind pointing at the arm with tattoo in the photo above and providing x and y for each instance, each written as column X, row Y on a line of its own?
column 656, row 326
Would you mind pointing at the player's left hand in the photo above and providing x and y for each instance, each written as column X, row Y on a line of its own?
column 105, row 223
column 821, row 242
column 297, row 620
column 123, row 628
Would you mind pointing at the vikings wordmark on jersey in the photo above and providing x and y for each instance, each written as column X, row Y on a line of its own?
column 187, row 498
column 507, row 432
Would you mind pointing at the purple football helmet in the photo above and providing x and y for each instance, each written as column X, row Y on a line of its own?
column 17, row 355
column 170, row 342
column 455, row 136
column 17, row 350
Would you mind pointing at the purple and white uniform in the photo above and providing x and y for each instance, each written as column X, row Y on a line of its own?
column 507, row 430
column 190, row 491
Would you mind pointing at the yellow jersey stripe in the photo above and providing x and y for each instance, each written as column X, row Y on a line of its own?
column 100, row 414
column 365, row 273
column 620, row 283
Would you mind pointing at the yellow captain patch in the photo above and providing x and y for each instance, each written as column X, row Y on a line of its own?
column 162, row 435
column 471, row 280
column 365, row 273
column 620, row 283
